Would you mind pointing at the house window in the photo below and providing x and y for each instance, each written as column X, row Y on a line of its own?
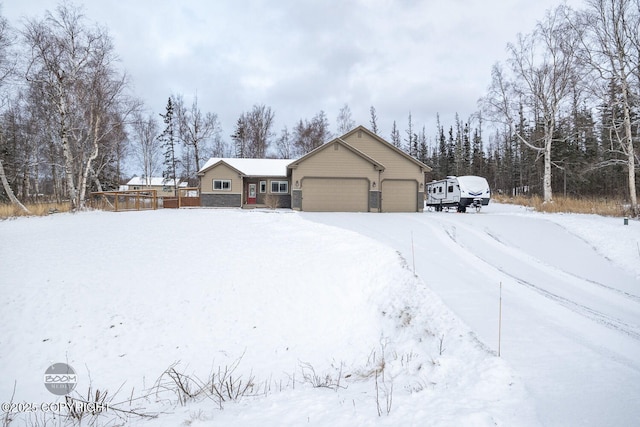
column 279, row 187
column 263, row 186
column 222, row 184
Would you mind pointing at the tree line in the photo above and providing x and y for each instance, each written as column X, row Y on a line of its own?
column 565, row 104
column 560, row 114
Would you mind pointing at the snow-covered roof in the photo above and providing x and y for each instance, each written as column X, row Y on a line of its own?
column 253, row 167
column 150, row 181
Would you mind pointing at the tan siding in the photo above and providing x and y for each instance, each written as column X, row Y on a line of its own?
column 335, row 195
column 335, row 180
column 399, row 196
column 341, row 163
column 396, row 165
column 220, row 172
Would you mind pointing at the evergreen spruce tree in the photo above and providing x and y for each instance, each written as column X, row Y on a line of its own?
column 458, row 160
column 443, row 158
column 450, row 154
column 423, row 151
column 374, row 120
column 478, row 160
column 466, row 150
column 240, row 136
column 395, row 136
column 168, row 141
column 409, row 140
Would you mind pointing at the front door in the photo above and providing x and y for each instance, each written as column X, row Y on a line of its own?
column 251, row 198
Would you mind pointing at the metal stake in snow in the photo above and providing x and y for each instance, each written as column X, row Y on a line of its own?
column 500, row 320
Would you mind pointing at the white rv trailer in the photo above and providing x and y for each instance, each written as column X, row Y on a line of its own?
column 459, row 192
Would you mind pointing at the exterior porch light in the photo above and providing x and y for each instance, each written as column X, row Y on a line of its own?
column 374, row 184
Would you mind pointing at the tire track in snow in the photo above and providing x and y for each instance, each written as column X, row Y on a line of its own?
column 635, row 298
column 516, row 254
column 595, row 249
column 590, row 313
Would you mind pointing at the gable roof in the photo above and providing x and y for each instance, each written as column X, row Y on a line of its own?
column 388, row 144
column 346, row 145
column 156, row 181
column 250, row 167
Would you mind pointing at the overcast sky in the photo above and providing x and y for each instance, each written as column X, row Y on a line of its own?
column 300, row 57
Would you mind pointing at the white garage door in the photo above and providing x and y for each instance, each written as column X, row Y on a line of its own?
column 335, row 195
column 399, row 196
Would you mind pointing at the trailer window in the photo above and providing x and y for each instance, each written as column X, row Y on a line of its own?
column 450, row 190
column 439, row 189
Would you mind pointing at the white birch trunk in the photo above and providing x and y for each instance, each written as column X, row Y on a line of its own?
column 631, row 164
column 628, row 148
column 66, row 150
column 87, row 169
column 9, row 191
column 548, row 142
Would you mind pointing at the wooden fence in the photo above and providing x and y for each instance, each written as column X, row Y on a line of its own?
column 135, row 200
column 129, row 200
column 187, row 197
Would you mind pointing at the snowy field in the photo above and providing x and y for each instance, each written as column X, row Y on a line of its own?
column 322, row 315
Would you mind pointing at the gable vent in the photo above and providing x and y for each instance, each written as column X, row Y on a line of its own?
column 359, row 134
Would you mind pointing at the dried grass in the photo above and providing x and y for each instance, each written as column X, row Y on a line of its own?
column 35, row 209
column 584, row 205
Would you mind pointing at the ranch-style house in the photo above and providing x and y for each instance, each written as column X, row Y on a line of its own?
column 356, row 172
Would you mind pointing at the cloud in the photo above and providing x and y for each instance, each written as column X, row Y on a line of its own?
column 419, row 56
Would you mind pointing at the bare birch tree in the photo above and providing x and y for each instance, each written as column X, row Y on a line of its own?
column 196, row 130
column 611, row 48
column 7, row 63
column 73, row 64
column 144, row 134
column 259, row 122
column 544, row 68
column 345, row 120
column 284, row 144
column 309, row 135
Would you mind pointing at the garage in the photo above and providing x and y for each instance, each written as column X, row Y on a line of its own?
column 335, row 195
column 399, row 195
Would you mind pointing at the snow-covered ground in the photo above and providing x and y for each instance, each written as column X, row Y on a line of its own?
column 297, row 303
column 570, row 298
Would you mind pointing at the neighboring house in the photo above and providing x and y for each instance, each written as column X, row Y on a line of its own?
column 165, row 188
column 357, row 172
